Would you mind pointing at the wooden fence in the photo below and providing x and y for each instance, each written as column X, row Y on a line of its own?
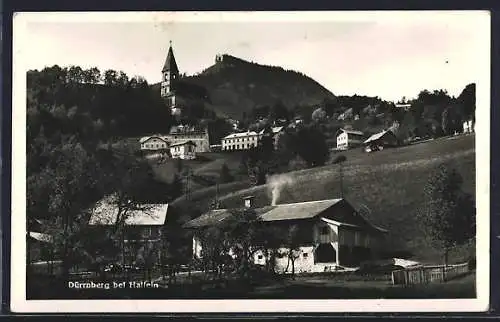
column 428, row 274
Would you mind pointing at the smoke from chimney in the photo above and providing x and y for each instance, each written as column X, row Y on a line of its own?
column 275, row 185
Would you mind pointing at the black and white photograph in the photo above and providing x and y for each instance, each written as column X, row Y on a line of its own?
column 250, row 161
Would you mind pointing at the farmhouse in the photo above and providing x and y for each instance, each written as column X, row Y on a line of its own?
column 331, row 233
column 181, row 134
column 349, row 138
column 469, row 126
column 183, row 150
column 39, row 244
column 143, row 227
column 153, row 143
column 381, row 140
column 403, row 106
column 240, row 141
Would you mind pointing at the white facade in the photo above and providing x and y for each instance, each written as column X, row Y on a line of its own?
column 346, row 139
column 185, row 151
column 323, row 254
column 240, row 141
column 153, row 143
column 469, row 126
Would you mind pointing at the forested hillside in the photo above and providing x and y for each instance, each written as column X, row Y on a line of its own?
column 236, row 86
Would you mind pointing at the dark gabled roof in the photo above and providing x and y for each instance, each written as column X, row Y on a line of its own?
column 214, row 217
column 41, row 237
column 183, row 143
column 170, row 64
column 291, row 211
column 353, row 132
column 379, row 135
column 299, row 210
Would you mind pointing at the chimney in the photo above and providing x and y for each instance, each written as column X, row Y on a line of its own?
column 249, row 201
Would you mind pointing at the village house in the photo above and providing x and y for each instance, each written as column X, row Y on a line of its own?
column 39, row 244
column 403, row 106
column 348, row 114
column 349, row 138
column 153, row 143
column 240, row 141
column 183, row 150
column 380, row 140
column 333, row 235
column 143, row 228
column 469, row 126
column 183, row 133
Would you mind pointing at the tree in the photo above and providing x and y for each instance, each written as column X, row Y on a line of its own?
column 278, row 111
column 448, row 217
column 310, row 144
column 75, row 75
column 225, row 175
column 69, row 183
column 92, row 75
column 330, row 106
column 292, row 243
column 218, row 128
column 468, row 100
column 110, row 77
column 318, row 115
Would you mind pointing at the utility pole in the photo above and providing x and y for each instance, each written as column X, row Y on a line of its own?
column 341, row 181
column 188, row 183
column 217, row 195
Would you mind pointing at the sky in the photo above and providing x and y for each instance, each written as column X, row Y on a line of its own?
column 389, row 55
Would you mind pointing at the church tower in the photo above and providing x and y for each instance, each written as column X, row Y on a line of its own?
column 170, row 74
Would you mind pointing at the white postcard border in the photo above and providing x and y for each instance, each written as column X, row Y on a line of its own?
column 18, row 223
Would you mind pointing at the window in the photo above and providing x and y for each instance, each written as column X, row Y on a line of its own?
column 357, row 238
column 305, row 255
column 260, row 257
column 324, row 230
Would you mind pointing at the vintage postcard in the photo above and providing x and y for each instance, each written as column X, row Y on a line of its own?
column 251, row 161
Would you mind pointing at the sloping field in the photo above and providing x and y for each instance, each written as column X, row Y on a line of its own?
column 387, row 186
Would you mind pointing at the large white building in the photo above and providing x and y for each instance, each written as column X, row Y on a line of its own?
column 240, row 141
column 249, row 139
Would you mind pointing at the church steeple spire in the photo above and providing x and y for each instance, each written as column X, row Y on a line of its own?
column 170, row 63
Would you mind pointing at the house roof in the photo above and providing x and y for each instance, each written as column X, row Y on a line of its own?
column 377, row 136
column 216, row 216
column 104, row 213
column 240, row 134
column 170, row 64
column 183, row 143
column 291, row 211
column 299, row 210
column 275, row 130
column 353, row 132
column 45, row 238
column 147, row 138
